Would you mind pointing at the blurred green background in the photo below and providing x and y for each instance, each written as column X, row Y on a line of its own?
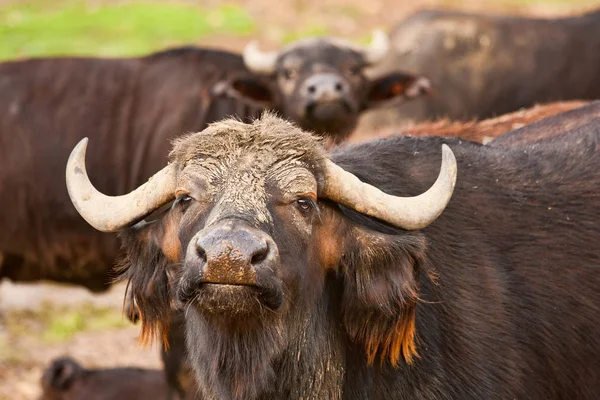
column 117, row 28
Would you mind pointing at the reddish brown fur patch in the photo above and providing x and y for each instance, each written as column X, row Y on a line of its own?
column 170, row 244
column 150, row 332
column 328, row 239
column 398, row 88
column 147, row 333
column 391, row 343
column 477, row 131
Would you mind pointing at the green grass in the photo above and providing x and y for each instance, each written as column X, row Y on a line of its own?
column 132, row 28
column 84, row 318
column 54, row 324
column 314, row 30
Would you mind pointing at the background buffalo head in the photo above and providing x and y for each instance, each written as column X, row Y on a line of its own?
column 320, row 83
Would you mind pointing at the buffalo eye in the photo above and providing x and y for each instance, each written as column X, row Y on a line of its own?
column 305, row 205
column 354, row 69
column 289, row 73
column 182, row 201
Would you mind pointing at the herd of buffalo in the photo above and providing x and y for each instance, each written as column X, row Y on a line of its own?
column 416, row 218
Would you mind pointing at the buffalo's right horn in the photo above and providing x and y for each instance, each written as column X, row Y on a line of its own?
column 408, row 213
column 113, row 213
column 261, row 62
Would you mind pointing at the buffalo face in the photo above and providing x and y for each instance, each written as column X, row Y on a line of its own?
column 235, row 226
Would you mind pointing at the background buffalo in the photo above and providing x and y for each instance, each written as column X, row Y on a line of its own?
column 485, row 65
column 66, row 379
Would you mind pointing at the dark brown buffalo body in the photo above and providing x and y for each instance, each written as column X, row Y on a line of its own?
column 288, row 294
column 482, row 131
column 65, row 379
column 481, row 66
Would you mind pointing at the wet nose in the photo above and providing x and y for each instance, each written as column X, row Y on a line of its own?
column 233, row 253
column 325, row 87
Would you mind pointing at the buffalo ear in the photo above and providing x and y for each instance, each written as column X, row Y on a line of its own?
column 144, row 265
column 254, row 91
column 394, row 88
column 61, row 374
column 381, row 292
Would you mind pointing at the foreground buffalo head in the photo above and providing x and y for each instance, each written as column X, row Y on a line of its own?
column 263, row 246
column 320, row 83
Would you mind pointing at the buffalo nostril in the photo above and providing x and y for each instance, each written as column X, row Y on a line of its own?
column 339, row 87
column 201, row 253
column 260, row 255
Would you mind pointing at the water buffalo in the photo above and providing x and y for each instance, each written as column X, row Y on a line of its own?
column 176, row 366
column 310, row 276
column 65, row 379
column 486, row 65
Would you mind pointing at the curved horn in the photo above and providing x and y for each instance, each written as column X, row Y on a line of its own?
column 378, row 48
column 112, row 213
column 410, row 213
column 259, row 61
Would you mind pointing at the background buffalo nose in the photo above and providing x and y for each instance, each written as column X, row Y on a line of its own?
column 325, row 87
column 233, row 253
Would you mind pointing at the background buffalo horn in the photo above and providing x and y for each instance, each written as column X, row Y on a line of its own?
column 259, row 61
column 378, row 48
column 408, row 213
column 112, row 213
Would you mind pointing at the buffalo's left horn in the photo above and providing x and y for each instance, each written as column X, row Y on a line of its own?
column 261, row 62
column 378, row 48
column 113, row 213
column 408, row 213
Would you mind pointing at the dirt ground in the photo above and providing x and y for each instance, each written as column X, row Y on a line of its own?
column 43, row 321
column 39, row 322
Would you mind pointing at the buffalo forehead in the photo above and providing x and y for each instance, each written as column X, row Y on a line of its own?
column 325, row 54
column 244, row 184
column 270, row 139
column 309, row 45
column 293, row 179
column 237, row 162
